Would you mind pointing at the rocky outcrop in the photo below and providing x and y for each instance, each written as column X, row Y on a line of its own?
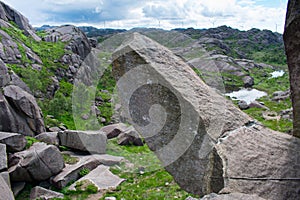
column 19, row 111
column 90, row 141
column 232, row 196
column 78, row 42
column 8, row 14
column 191, row 128
column 292, row 41
column 38, row 163
column 3, row 157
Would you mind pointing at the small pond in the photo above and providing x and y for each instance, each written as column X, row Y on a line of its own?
column 276, row 74
column 247, row 95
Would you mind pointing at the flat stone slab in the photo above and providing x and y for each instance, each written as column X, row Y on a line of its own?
column 71, row 172
column 42, row 193
column 231, row 196
column 14, row 142
column 102, row 178
column 90, row 141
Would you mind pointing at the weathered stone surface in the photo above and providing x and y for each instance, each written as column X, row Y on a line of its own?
column 232, row 196
column 291, row 38
column 3, row 157
column 5, row 190
column 130, row 137
column 114, row 130
column 49, row 138
column 38, row 163
column 261, row 161
column 256, row 104
column 44, row 194
column 102, row 178
column 91, row 141
column 281, row 95
column 191, row 117
column 14, row 142
column 71, row 172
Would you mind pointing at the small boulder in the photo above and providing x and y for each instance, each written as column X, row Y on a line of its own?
column 130, row 137
column 248, row 81
column 90, row 141
column 256, row 104
column 44, row 194
column 38, row 163
column 243, row 105
column 101, row 177
column 281, row 95
column 14, row 142
column 114, row 130
column 49, row 138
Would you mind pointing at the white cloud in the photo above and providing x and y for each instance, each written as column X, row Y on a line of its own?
column 241, row 14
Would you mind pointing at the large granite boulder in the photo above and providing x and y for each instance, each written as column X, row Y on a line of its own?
column 291, row 38
column 14, row 142
column 8, row 14
column 183, row 130
column 38, row 163
column 203, row 140
column 231, row 196
column 90, row 141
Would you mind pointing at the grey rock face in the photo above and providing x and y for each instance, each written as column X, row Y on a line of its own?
column 260, row 161
column 291, row 38
column 91, row 141
column 3, row 157
column 232, row 196
column 38, row 163
column 44, row 194
column 102, row 178
column 194, row 116
column 9, row 14
column 13, row 141
column 5, row 190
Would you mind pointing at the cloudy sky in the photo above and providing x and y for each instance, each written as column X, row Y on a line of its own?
column 167, row 14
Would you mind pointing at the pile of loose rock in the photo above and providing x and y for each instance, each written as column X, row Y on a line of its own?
column 43, row 163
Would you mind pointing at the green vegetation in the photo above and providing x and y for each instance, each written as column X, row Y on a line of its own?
column 69, row 159
column 30, row 141
column 84, row 172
